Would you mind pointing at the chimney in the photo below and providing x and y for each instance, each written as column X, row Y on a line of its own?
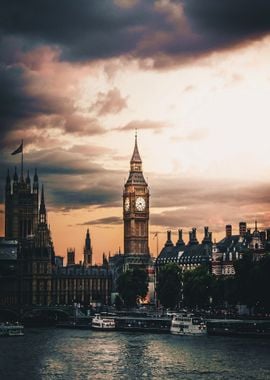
column 228, row 230
column 207, row 236
column 242, row 228
column 180, row 241
column 169, row 241
column 192, row 237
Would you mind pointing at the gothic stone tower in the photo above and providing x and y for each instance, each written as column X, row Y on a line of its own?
column 35, row 262
column 87, row 252
column 21, row 206
column 136, row 215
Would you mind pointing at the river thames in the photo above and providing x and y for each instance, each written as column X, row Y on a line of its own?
column 82, row 354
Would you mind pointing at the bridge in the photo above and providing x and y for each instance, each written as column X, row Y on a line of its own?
column 39, row 313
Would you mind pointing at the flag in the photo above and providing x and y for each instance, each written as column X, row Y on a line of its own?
column 18, row 150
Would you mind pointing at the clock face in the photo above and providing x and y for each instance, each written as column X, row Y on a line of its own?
column 127, row 204
column 140, row 204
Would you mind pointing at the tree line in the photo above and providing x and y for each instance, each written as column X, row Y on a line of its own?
column 198, row 288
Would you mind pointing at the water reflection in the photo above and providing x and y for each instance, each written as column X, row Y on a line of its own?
column 73, row 354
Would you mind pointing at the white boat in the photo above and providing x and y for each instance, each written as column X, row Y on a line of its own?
column 8, row 329
column 187, row 324
column 103, row 322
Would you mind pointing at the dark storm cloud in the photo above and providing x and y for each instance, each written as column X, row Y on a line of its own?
column 229, row 19
column 30, row 113
column 100, row 29
column 16, row 104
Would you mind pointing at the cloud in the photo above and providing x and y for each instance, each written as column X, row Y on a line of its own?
column 91, row 150
column 159, row 30
column 109, row 103
column 156, row 126
column 111, row 220
column 231, row 19
column 72, row 179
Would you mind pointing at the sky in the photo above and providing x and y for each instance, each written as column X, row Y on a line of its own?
column 193, row 77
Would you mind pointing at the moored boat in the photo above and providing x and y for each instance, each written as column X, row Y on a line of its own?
column 148, row 324
column 103, row 322
column 238, row 327
column 9, row 329
column 187, row 324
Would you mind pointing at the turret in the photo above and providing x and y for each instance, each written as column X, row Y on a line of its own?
column 35, row 183
column 28, row 182
column 15, row 180
column 42, row 209
column 8, row 183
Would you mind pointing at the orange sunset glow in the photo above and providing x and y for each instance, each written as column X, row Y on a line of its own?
column 192, row 81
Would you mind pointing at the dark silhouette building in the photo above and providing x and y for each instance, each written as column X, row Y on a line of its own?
column 21, row 206
column 29, row 272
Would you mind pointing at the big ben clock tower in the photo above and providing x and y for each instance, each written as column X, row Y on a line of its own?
column 136, row 215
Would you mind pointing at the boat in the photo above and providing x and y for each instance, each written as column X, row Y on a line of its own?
column 239, row 327
column 9, row 329
column 187, row 324
column 103, row 322
column 145, row 323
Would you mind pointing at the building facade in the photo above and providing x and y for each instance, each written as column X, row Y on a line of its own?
column 234, row 246
column 186, row 256
column 136, row 215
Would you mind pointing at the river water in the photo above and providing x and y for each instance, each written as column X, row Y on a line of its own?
column 82, row 354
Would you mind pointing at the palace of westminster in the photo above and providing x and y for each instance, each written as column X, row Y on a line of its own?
column 31, row 273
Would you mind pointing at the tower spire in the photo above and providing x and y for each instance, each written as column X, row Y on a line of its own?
column 42, row 208
column 136, row 158
column 87, row 250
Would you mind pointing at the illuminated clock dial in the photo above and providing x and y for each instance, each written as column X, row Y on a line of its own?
column 127, row 204
column 140, row 204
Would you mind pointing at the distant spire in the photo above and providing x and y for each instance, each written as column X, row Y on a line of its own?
column 8, row 182
column 35, row 184
column 87, row 240
column 28, row 177
column 42, row 209
column 15, row 177
column 256, row 226
column 35, row 176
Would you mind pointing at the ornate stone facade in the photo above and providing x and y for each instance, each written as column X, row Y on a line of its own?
column 136, row 215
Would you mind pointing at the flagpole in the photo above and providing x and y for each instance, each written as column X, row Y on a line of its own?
column 22, row 162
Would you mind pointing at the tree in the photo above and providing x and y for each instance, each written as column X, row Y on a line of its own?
column 132, row 285
column 197, row 288
column 244, row 277
column 169, row 285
